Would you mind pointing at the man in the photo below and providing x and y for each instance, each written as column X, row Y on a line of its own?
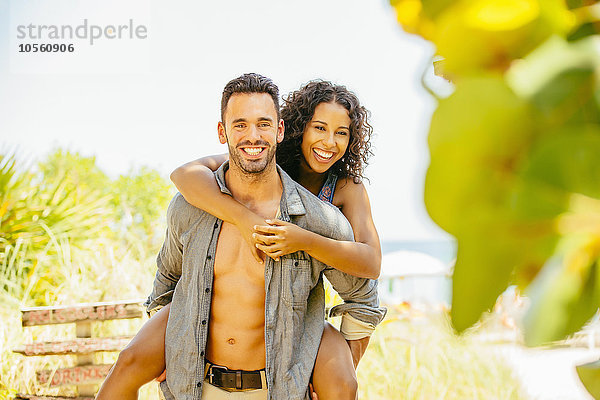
column 235, row 324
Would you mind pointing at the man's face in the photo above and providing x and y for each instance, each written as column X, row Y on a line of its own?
column 251, row 130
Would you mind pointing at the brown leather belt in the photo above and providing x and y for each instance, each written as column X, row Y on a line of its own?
column 233, row 380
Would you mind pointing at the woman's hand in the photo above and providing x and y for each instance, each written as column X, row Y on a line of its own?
column 280, row 238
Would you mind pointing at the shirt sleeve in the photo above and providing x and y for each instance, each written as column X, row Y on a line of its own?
column 168, row 261
column 361, row 300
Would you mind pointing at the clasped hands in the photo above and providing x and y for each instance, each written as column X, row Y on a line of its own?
column 276, row 239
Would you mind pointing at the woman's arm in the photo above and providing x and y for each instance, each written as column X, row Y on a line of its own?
column 361, row 258
column 196, row 182
column 211, row 162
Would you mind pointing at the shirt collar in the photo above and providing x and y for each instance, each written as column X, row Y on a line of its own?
column 291, row 199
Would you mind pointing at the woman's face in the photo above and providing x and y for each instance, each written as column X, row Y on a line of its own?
column 326, row 136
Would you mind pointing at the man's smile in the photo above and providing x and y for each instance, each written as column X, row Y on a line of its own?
column 252, row 151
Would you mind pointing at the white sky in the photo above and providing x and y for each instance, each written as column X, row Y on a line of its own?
column 164, row 109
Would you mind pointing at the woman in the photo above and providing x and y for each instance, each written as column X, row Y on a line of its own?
column 325, row 149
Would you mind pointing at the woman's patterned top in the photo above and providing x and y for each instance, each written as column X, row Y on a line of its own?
column 328, row 189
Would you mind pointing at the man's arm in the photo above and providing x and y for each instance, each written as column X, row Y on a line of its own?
column 168, row 261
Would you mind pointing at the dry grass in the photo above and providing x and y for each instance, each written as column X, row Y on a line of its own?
column 108, row 272
column 420, row 358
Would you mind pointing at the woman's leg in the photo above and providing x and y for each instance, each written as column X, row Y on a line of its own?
column 334, row 376
column 141, row 361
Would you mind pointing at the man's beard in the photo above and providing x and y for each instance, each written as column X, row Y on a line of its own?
column 252, row 166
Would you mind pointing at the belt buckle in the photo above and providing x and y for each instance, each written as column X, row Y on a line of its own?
column 210, row 373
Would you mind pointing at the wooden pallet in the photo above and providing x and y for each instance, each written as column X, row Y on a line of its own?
column 78, row 375
column 85, row 375
column 81, row 313
column 74, row 346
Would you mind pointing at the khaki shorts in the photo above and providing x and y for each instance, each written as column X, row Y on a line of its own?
column 210, row 392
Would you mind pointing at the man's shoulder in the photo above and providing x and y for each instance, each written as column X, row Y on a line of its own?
column 182, row 214
column 179, row 205
column 323, row 217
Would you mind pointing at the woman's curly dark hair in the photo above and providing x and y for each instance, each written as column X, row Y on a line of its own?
column 298, row 109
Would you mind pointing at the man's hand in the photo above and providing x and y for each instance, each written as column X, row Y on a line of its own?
column 311, row 391
column 280, row 238
column 358, row 348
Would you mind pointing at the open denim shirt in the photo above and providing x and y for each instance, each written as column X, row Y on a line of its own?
column 294, row 302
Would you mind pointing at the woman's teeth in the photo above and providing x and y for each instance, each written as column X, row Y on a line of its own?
column 253, row 151
column 324, row 154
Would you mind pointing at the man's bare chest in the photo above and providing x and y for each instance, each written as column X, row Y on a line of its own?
column 234, row 259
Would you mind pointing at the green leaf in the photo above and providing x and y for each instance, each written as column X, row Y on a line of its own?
column 576, row 3
column 488, row 255
column 474, row 154
column 552, row 58
column 514, row 154
column 474, row 191
column 566, row 160
column 433, row 8
column 569, row 97
column 584, row 30
column 484, row 35
column 590, row 377
column 564, row 297
column 479, row 278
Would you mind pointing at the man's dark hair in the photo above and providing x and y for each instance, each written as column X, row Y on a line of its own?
column 250, row 83
column 299, row 108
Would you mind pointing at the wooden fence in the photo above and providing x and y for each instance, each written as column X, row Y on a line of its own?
column 85, row 375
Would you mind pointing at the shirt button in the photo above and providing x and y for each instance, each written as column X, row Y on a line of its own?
column 207, row 290
column 203, row 322
column 209, row 257
column 216, row 225
column 296, row 263
column 198, row 384
column 201, row 354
